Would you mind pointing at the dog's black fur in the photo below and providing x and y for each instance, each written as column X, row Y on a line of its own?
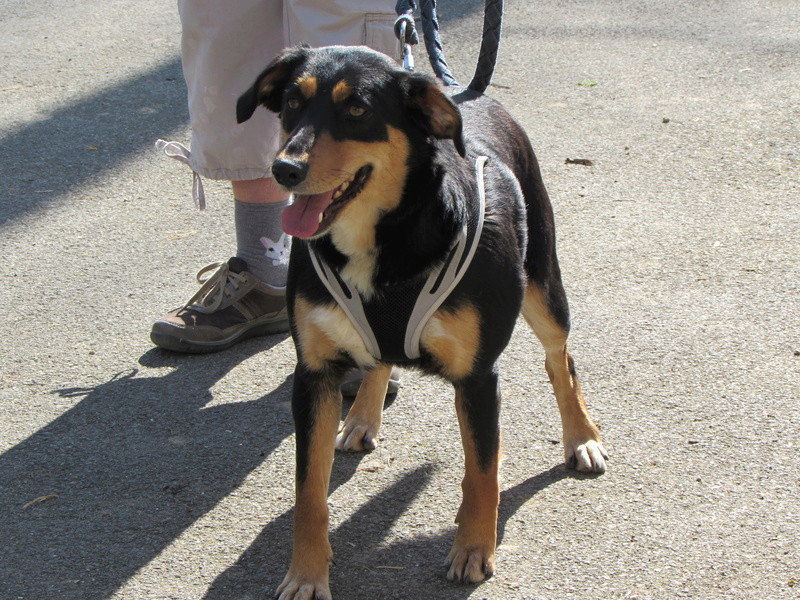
column 407, row 171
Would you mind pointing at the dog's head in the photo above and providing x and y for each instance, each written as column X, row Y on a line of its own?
column 350, row 119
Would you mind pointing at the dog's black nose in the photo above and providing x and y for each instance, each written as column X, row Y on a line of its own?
column 289, row 172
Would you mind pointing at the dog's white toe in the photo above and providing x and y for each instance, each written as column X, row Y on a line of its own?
column 587, row 457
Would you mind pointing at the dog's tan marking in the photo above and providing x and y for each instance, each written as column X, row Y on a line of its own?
column 331, row 162
column 341, row 91
column 472, row 556
column 582, row 443
column 311, row 552
column 452, row 337
column 308, row 86
column 275, row 77
column 283, row 155
column 325, row 331
column 359, row 271
column 360, row 429
column 538, row 316
column 315, row 346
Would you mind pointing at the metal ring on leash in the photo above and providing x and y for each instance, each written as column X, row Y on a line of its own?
column 430, row 29
column 490, row 42
column 407, row 56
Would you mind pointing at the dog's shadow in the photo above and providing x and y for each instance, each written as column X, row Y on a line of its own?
column 102, row 490
column 369, row 562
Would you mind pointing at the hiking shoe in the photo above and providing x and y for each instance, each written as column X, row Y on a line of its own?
column 231, row 305
column 352, row 381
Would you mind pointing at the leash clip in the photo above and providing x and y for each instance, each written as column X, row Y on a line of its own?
column 406, row 55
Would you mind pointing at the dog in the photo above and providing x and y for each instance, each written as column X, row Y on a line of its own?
column 383, row 164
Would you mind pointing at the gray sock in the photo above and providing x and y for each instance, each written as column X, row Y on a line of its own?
column 261, row 242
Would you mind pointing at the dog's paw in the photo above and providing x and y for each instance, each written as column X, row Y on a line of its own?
column 587, row 456
column 470, row 564
column 297, row 587
column 357, row 435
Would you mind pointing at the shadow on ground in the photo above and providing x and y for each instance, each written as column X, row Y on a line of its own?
column 126, row 470
column 139, row 459
column 367, row 566
column 43, row 160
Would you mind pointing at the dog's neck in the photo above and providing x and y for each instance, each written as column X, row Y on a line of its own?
column 409, row 240
column 417, row 236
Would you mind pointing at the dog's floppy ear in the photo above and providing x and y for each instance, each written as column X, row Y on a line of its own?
column 441, row 116
column 268, row 87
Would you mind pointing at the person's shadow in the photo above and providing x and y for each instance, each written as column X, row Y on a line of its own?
column 95, row 495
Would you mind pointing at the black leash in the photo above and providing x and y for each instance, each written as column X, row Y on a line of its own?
column 490, row 43
column 406, row 32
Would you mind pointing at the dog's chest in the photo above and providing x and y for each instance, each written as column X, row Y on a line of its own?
column 450, row 337
column 391, row 321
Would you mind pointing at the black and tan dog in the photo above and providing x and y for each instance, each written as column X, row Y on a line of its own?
column 382, row 164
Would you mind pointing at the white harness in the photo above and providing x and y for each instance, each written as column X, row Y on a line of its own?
column 395, row 300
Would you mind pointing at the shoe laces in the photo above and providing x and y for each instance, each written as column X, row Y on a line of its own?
column 216, row 287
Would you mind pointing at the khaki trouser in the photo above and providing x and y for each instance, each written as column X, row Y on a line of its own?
column 226, row 45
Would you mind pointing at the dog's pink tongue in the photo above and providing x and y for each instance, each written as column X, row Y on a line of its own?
column 301, row 217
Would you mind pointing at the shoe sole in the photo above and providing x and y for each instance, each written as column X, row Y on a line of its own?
column 349, row 390
column 179, row 344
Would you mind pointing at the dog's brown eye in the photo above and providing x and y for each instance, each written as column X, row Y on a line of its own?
column 356, row 111
column 293, row 103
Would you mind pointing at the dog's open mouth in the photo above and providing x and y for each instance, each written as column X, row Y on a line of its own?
column 310, row 215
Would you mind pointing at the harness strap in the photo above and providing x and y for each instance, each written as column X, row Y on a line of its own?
column 349, row 301
column 435, row 290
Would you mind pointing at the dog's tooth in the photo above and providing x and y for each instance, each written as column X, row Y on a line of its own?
column 320, row 217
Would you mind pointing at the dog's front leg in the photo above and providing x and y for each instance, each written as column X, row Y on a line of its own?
column 478, row 406
column 360, row 429
column 316, row 405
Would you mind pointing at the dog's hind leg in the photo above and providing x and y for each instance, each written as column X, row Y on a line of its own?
column 360, row 429
column 478, row 406
column 583, row 449
column 316, row 405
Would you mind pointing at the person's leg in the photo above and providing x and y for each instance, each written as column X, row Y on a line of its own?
column 260, row 240
column 257, row 191
column 228, row 309
column 224, row 47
